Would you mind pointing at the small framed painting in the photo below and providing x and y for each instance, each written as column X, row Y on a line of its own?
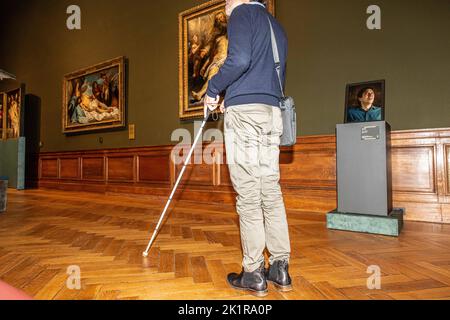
column 94, row 98
column 13, row 113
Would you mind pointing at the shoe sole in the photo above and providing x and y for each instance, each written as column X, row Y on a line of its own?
column 259, row 294
column 281, row 288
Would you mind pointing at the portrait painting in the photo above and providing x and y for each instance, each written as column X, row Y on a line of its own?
column 203, row 42
column 365, row 102
column 94, row 98
column 13, row 114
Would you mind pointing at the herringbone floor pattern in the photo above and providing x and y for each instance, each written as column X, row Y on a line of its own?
column 45, row 232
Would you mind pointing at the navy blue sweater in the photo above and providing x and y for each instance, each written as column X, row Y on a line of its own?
column 248, row 74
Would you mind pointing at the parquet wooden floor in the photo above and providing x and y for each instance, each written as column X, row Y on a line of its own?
column 45, row 232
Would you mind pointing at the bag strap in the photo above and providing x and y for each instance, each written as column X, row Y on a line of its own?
column 276, row 56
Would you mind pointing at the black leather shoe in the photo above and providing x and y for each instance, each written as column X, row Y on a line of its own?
column 278, row 274
column 253, row 282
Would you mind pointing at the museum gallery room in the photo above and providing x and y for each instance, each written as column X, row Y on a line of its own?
column 225, row 150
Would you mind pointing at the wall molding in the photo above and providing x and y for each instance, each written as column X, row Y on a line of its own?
column 420, row 161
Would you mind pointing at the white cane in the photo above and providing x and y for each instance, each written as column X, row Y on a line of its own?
column 199, row 135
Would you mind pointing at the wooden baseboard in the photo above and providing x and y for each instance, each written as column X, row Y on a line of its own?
column 420, row 160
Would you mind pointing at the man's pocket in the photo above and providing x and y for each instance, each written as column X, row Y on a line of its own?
column 277, row 122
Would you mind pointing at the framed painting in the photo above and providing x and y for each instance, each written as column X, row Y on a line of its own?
column 94, row 98
column 13, row 113
column 365, row 102
column 203, row 46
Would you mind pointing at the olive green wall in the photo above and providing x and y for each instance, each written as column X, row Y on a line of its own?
column 330, row 46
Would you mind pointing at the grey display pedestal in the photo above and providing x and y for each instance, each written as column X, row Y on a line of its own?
column 364, row 181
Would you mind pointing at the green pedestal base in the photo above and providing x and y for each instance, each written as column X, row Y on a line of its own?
column 388, row 226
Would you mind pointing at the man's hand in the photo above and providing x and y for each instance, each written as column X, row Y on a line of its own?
column 211, row 104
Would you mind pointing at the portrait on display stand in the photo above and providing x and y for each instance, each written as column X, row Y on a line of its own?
column 365, row 102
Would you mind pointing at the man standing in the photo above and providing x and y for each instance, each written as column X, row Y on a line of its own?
column 253, row 126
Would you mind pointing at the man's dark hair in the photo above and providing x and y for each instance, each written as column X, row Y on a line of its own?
column 361, row 92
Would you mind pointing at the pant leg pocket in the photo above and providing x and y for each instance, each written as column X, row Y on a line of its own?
column 277, row 122
column 226, row 123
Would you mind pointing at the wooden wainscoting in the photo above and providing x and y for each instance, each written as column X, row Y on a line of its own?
column 420, row 160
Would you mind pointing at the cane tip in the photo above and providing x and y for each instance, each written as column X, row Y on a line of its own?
column 145, row 254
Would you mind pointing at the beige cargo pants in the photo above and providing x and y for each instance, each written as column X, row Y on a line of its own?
column 252, row 140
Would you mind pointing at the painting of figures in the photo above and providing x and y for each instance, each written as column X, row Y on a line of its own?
column 13, row 114
column 203, row 51
column 94, row 98
column 2, row 118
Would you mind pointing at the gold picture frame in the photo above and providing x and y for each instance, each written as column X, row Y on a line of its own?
column 94, row 98
column 198, row 28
